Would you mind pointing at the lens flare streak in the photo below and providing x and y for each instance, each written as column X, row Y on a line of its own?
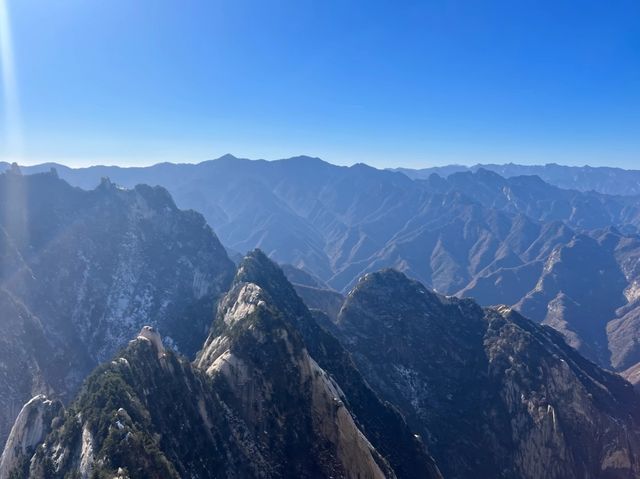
column 11, row 129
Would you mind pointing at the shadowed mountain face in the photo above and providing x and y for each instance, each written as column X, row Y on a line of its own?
column 492, row 394
column 82, row 271
column 259, row 401
column 585, row 287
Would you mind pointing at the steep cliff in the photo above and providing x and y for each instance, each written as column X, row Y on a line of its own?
column 493, row 394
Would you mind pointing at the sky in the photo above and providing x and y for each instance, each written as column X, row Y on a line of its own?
column 388, row 83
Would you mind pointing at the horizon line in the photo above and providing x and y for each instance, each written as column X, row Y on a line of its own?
column 105, row 164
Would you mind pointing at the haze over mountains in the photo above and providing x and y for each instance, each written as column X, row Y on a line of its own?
column 566, row 257
column 603, row 179
column 83, row 271
column 334, row 365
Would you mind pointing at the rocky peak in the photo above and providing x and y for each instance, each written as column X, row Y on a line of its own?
column 259, row 406
column 257, row 268
column 30, row 428
column 274, row 358
column 149, row 333
column 465, row 376
column 161, row 419
column 271, row 378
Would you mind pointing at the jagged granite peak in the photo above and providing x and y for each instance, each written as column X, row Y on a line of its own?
column 90, row 268
column 492, row 393
column 28, row 364
column 141, row 415
column 33, row 424
column 257, row 405
column 151, row 334
column 262, row 291
column 278, row 389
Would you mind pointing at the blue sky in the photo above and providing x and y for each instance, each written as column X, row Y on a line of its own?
column 386, row 83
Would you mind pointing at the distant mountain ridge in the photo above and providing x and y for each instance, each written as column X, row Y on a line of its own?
column 602, row 179
column 472, row 233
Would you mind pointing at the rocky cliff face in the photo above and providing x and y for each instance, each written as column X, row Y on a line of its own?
column 28, row 365
column 281, row 392
column 82, row 271
column 255, row 403
column 493, row 394
column 149, row 415
column 384, row 427
column 32, row 425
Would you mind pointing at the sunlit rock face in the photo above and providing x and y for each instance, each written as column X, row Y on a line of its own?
column 266, row 349
column 32, row 425
column 83, row 271
column 151, row 334
column 271, row 378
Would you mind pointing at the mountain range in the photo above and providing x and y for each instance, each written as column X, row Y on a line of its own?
column 516, row 240
column 603, row 179
column 362, row 355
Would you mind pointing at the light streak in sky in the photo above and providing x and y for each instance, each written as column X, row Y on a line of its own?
column 11, row 127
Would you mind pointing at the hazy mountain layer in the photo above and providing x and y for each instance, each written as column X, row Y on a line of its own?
column 472, row 233
column 82, row 271
column 613, row 181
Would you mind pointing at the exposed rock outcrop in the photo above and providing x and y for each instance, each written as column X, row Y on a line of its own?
column 151, row 334
column 271, row 378
column 32, row 425
column 255, row 404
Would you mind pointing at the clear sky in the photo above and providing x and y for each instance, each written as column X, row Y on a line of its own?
column 392, row 83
